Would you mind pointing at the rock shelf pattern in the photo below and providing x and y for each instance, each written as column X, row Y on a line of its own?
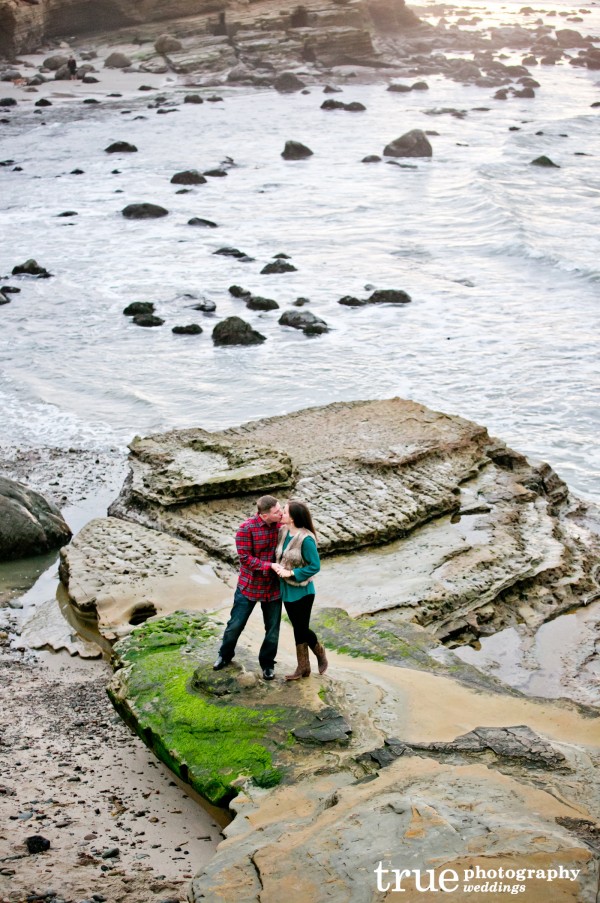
column 470, row 535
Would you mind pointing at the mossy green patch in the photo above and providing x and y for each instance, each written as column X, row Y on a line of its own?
column 209, row 728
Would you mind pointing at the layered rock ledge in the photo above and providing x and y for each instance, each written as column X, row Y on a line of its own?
column 468, row 534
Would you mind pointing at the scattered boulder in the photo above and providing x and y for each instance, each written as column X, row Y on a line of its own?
column 215, row 173
column 544, row 161
column 42, row 102
column 232, row 252
column 147, row 320
column 144, row 211
column 198, row 221
column 188, row 177
column 67, row 213
column 256, row 302
column 351, row 301
column 278, row 266
column 399, row 88
column 8, row 102
column 29, row 524
column 117, row 60
column 192, row 329
column 288, row 83
column 389, row 296
column 371, row 158
column 235, row 331
column 294, row 150
column 10, row 290
column 192, row 98
column 55, row 62
column 354, row 107
column 31, row 268
column 166, row 43
column 121, row 147
column 3, row 298
column 238, row 292
column 304, row 320
column 206, row 306
column 139, row 307
column 412, row 144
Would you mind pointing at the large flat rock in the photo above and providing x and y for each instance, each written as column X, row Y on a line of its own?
column 122, row 573
column 431, row 519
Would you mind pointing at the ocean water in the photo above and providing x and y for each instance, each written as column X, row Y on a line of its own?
column 501, row 260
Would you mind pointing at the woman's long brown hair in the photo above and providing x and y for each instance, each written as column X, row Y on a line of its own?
column 301, row 515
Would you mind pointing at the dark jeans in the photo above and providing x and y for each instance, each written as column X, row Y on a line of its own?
column 299, row 614
column 241, row 611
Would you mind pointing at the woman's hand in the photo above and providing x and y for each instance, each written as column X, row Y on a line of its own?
column 281, row 571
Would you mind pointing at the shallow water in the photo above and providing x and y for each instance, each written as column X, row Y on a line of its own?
column 500, row 259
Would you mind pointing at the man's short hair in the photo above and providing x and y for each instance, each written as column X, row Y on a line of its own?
column 265, row 503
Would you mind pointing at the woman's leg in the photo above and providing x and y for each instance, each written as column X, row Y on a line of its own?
column 299, row 614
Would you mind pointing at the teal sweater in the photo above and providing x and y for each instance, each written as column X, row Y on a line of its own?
column 310, row 555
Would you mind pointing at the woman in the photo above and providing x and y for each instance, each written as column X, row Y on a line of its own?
column 296, row 563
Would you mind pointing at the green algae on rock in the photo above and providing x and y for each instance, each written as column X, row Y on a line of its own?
column 210, row 728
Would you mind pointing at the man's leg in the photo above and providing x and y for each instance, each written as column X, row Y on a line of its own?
column 272, row 619
column 241, row 611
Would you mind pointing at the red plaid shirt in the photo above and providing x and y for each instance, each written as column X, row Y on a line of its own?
column 256, row 542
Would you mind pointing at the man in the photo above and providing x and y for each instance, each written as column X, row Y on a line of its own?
column 256, row 541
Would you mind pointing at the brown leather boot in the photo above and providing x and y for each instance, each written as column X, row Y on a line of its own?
column 303, row 669
column 319, row 651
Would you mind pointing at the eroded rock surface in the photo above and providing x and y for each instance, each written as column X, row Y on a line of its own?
column 122, row 574
column 467, row 534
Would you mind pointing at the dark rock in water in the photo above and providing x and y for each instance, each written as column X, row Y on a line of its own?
column 55, row 62
column 501, row 94
column 206, row 306
column 192, row 329
column 93, row 100
column 188, row 177
column 144, row 211
column 353, row 107
column 183, row 191
column 68, row 213
column 198, row 221
column 121, row 147
column 350, row 301
column 8, row 102
column 304, row 320
column 389, row 296
column 36, row 844
column 145, row 88
column 139, row 307
column 282, row 256
column 231, row 252
column 215, row 173
column 329, row 89
column 214, row 98
column 294, row 150
column 544, row 161
column 3, row 298
column 42, row 102
column 77, row 172
column 288, row 83
column 255, row 302
column 90, row 80
column 147, row 320
column 10, row 290
column 278, row 266
column 300, row 302
column 371, row 158
column 31, row 268
column 238, row 292
column 29, row 524
column 525, row 92
column 412, row 144
column 192, row 98
column 420, row 86
column 399, row 88
column 235, row 331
